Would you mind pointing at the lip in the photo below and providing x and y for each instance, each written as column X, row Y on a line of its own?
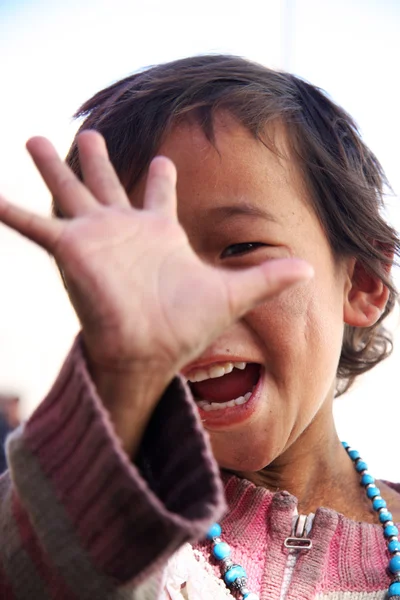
column 219, row 419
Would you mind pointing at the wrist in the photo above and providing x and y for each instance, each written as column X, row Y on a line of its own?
column 130, row 395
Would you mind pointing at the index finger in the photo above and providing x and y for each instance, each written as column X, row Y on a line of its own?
column 98, row 172
column 73, row 198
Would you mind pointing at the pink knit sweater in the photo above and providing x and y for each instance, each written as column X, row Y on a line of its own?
column 79, row 521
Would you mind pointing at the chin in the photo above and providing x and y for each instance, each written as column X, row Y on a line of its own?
column 242, row 458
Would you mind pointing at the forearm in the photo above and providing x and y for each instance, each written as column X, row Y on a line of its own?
column 130, row 397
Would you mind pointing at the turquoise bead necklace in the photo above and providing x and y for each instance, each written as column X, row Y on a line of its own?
column 235, row 576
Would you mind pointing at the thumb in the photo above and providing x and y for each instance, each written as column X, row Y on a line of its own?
column 248, row 288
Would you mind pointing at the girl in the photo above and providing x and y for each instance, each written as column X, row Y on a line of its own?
column 221, row 313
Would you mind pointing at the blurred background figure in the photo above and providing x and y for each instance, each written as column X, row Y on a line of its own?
column 9, row 420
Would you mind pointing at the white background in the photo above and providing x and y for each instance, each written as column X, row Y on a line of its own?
column 53, row 58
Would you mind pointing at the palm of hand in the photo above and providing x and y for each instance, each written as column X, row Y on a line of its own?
column 137, row 285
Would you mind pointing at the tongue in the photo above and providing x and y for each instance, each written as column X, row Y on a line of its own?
column 230, row 386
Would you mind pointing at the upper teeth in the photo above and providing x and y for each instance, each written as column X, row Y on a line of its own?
column 214, row 371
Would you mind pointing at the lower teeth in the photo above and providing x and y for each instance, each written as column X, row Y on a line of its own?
column 208, row 406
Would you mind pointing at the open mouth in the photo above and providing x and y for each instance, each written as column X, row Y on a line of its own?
column 224, row 385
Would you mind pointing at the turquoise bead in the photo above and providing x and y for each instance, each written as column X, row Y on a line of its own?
column 394, row 565
column 378, row 503
column 234, row 573
column 390, row 530
column 345, row 445
column 214, row 531
column 383, row 517
column 361, row 466
column 366, row 479
column 394, row 546
column 394, row 589
column 251, row 596
column 354, row 454
column 373, row 491
column 221, row 550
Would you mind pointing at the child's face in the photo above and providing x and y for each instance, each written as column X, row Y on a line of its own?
column 245, row 194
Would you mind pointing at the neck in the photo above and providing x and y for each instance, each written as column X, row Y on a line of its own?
column 316, row 469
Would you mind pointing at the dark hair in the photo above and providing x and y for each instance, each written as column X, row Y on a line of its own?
column 344, row 178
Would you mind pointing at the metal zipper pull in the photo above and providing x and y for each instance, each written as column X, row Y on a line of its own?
column 301, row 527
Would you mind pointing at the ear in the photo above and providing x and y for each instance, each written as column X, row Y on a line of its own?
column 365, row 297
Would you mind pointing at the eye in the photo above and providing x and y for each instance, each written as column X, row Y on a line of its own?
column 239, row 249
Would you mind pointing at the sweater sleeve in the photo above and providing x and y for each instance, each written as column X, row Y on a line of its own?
column 78, row 519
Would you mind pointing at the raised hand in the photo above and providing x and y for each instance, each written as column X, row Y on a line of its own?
column 145, row 300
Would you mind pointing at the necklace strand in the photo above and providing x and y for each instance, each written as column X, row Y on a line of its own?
column 235, row 576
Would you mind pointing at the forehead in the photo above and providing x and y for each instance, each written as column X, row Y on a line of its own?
column 236, row 171
column 233, row 148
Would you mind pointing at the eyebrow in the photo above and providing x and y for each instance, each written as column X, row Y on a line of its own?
column 249, row 210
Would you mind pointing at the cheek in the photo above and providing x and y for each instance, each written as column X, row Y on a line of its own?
column 303, row 326
column 284, row 322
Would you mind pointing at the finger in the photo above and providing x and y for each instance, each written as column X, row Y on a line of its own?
column 44, row 231
column 251, row 287
column 160, row 193
column 98, row 173
column 72, row 197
